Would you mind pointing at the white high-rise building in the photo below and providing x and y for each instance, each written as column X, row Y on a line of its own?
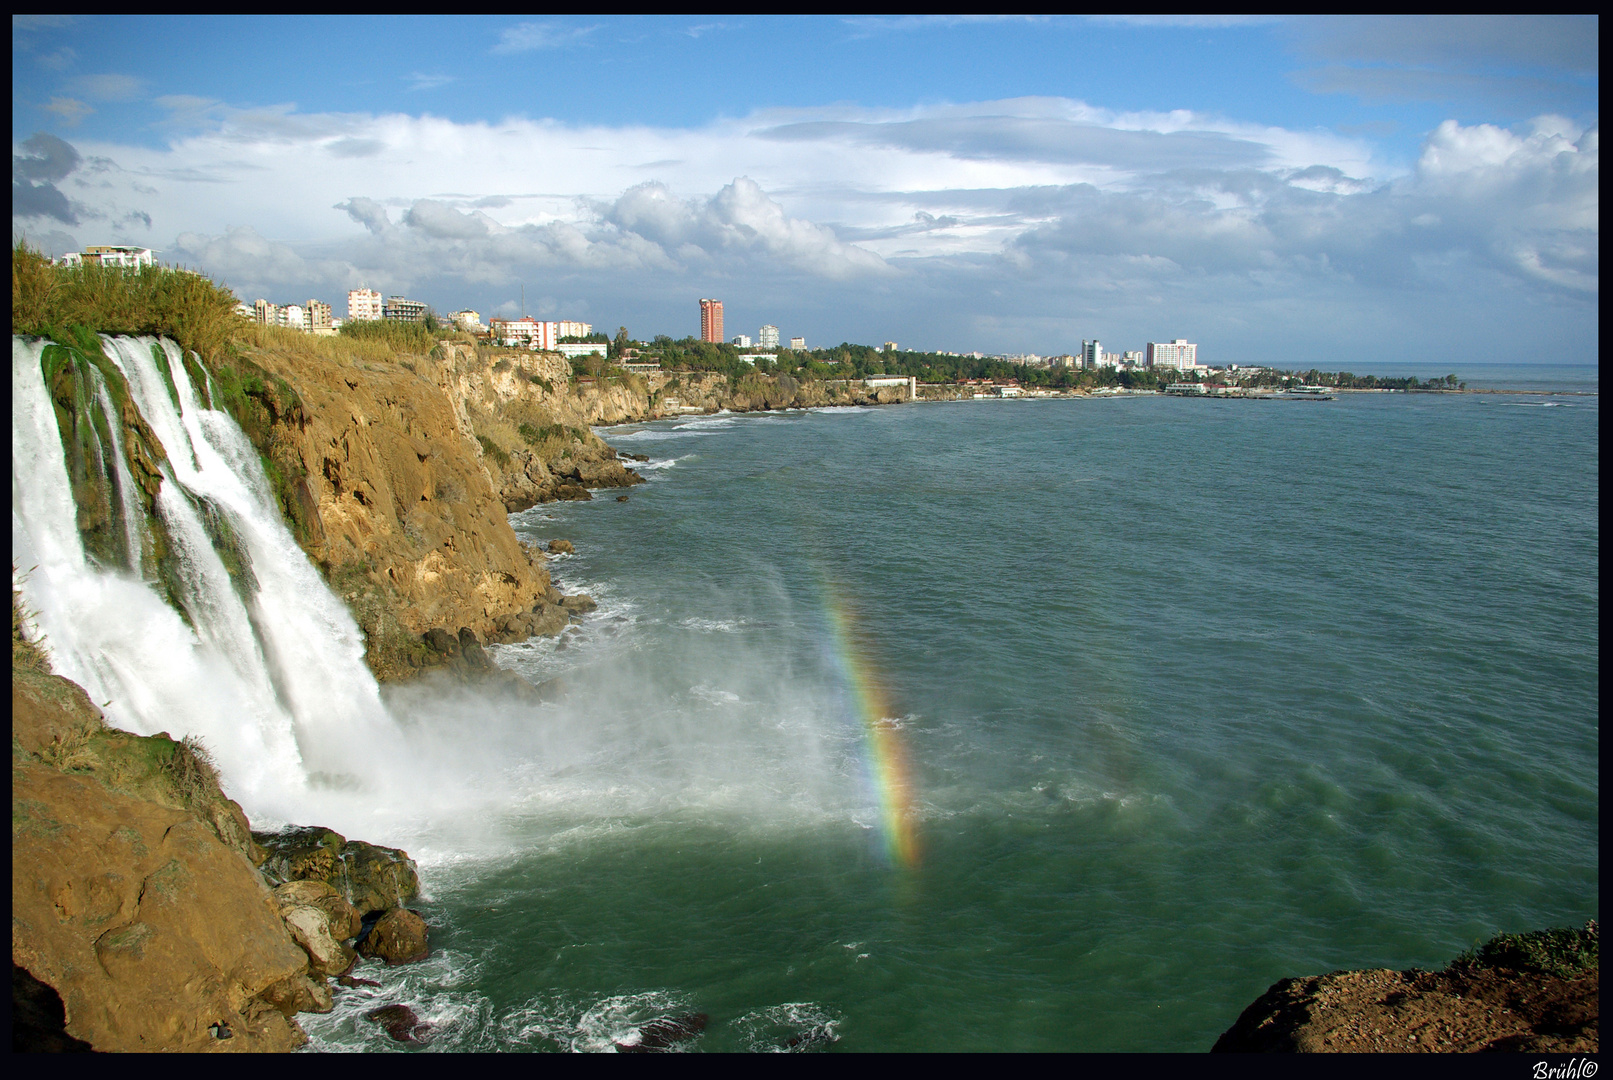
column 767, row 337
column 1091, row 354
column 798, row 344
column 1181, row 354
column 742, row 340
column 365, row 305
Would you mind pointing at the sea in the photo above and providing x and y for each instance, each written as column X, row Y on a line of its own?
column 1064, row 724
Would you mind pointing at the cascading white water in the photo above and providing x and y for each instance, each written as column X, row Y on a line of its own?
column 274, row 683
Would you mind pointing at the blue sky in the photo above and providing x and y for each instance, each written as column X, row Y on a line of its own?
column 1293, row 190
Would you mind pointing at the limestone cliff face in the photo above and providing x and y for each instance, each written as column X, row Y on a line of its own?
column 133, row 896
column 530, row 422
column 390, row 496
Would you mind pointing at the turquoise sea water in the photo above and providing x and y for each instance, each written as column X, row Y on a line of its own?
column 1194, row 695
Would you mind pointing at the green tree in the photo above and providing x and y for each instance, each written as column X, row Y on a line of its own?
column 619, row 345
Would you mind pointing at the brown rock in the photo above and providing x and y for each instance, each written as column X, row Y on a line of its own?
column 345, row 921
column 470, row 650
column 148, row 927
column 441, row 641
column 561, row 547
column 370, row 877
column 300, row 993
column 398, row 937
column 580, row 604
column 310, row 928
column 549, row 620
column 621, row 498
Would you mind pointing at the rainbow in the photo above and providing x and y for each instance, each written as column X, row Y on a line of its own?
column 885, row 754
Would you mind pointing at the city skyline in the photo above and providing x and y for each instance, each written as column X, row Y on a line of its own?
column 1426, row 185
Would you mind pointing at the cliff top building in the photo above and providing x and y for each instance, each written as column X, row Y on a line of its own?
column 123, row 255
column 400, row 309
column 741, row 340
column 798, row 344
column 711, row 320
column 767, row 337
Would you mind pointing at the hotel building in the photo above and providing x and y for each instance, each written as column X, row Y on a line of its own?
column 1180, row 354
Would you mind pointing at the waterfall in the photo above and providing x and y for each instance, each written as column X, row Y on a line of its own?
column 127, row 500
column 266, row 665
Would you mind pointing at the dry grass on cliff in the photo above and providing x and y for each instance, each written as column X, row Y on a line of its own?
column 339, row 350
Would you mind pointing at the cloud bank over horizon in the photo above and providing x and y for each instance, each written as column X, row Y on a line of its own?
column 1023, row 223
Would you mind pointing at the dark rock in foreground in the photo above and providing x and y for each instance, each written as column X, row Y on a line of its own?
column 1537, row 993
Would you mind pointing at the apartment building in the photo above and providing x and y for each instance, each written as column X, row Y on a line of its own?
column 364, row 305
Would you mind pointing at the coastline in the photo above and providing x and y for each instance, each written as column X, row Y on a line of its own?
column 335, row 507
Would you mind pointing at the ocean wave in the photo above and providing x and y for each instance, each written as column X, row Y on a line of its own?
column 713, row 626
column 603, row 1026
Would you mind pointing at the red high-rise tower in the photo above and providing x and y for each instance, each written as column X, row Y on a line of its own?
column 711, row 320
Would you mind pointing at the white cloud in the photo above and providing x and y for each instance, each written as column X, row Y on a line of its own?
column 904, row 215
column 109, row 87
column 531, row 37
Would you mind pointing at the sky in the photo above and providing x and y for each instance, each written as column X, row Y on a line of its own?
column 1293, row 191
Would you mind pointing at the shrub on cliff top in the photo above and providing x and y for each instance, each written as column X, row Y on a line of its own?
column 193, row 310
column 1559, row 951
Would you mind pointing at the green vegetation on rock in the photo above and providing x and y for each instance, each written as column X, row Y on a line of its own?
column 1559, row 951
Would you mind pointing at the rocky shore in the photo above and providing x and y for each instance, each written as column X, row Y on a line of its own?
column 1537, row 993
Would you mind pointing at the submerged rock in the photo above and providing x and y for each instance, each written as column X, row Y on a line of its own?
column 561, row 547
column 398, row 937
column 580, row 604
column 400, row 1022
column 665, row 1032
